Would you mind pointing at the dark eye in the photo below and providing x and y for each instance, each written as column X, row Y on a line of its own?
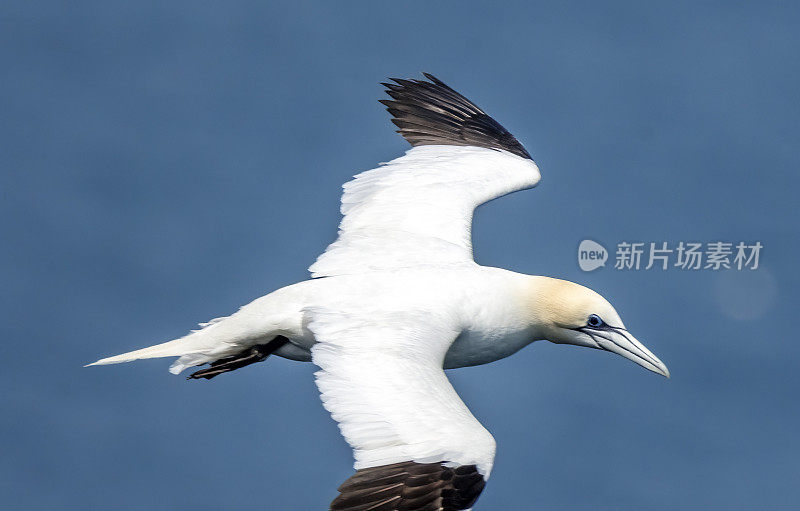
column 595, row 321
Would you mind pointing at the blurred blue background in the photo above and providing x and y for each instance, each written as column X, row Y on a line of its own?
column 162, row 163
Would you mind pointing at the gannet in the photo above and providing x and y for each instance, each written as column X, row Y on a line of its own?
column 397, row 298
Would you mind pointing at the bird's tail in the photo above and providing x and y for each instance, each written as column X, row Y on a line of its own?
column 167, row 349
column 258, row 323
column 201, row 346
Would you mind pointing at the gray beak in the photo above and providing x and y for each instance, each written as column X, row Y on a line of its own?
column 621, row 342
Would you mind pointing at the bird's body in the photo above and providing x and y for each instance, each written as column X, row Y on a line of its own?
column 397, row 298
column 472, row 301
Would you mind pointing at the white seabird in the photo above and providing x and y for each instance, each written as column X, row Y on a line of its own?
column 403, row 299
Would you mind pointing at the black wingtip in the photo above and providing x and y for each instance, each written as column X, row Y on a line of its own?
column 433, row 113
column 410, row 485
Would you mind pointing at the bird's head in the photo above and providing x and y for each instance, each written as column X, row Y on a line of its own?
column 569, row 313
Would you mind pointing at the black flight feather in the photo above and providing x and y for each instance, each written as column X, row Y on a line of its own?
column 410, row 486
column 431, row 113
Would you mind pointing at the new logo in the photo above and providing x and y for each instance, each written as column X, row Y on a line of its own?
column 591, row 255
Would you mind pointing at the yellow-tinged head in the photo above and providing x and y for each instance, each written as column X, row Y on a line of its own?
column 568, row 313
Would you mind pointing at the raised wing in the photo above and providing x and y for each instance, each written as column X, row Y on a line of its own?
column 416, row 445
column 417, row 210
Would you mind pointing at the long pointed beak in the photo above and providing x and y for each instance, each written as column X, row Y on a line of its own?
column 621, row 342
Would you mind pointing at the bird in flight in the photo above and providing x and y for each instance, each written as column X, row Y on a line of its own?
column 398, row 298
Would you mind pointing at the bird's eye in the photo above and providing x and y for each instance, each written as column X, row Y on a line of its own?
column 595, row 321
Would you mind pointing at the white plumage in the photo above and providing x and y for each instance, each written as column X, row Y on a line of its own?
column 402, row 299
column 417, row 210
column 381, row 379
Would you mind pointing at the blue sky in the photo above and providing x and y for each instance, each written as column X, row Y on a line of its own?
column 163, row 163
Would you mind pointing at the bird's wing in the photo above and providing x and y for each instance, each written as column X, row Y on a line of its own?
column 417, row 210
column 416, row 445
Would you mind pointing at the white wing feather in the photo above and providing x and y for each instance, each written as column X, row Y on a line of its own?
column 381, row 379
column 417, row 210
